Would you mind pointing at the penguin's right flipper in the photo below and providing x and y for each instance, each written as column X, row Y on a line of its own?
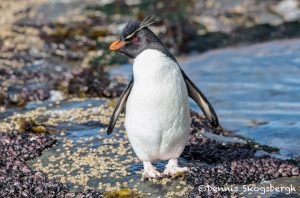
column 119, row 107
column 201, row 100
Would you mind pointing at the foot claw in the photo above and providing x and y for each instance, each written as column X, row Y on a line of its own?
column 173, row 170
column 152, row 174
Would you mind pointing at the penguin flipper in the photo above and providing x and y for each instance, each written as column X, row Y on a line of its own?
column 119, row 107
column 201, row 100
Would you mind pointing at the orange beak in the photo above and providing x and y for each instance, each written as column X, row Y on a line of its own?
column 116, row 45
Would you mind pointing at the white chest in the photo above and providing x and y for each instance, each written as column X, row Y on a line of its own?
column 158, row 83
column 157, row 110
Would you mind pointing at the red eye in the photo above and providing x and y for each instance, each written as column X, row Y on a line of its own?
column 134, row 40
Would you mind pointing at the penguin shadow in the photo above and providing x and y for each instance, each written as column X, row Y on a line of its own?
column 137, row 167
column 210, row 145
column 212, row 152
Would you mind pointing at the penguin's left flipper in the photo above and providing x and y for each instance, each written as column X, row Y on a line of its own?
column 119, row 107
column 201, row 100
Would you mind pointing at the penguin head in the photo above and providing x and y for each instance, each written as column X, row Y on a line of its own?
column 135, row 38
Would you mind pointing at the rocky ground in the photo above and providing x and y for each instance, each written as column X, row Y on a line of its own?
column 97, row 164
column 18, row 179
column 30, row 72
column 57, row 51
column 234, row 163
column 62, row 46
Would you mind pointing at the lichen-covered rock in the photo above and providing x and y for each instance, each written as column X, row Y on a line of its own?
column 17, row 179
column 240, row 171
column 211, row 151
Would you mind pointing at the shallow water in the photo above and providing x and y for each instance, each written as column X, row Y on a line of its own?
column 255, row 90
column 84, row 157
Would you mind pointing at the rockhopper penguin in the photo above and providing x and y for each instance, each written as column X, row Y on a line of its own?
column 157, row 117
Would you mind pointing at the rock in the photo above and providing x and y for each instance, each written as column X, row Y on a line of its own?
column 288, row 9
column 56, row 95
column 240, row 171
column 16, row 177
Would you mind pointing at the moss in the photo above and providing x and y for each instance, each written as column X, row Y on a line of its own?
column 180, row 174
column 256, row 146
column 112, row 103
column 108, row 58
column 119, row 7
column 165, row 10
column 39, row 129
column 27, row 124
column 123, row 193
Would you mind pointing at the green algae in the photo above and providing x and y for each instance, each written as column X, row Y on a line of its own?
column 123, row 193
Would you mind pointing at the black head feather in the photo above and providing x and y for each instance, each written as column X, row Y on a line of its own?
column 141, row 38
column 131, row 27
